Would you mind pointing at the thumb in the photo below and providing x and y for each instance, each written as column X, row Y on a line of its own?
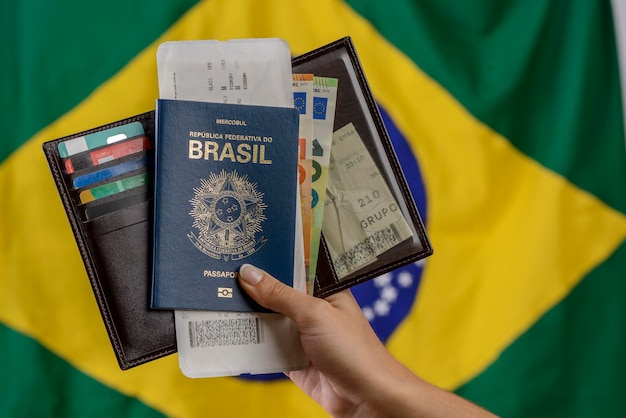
column 271, row 293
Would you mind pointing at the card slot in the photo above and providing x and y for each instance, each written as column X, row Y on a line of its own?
column 122, row 258
column 140, row 170
column 109, row 173
column 99, row 138
column 110, row 152
column 75, row 194
column 109, row 205
column 112, row 188
column 148, row 155
column 121, row 218
column 89, row 151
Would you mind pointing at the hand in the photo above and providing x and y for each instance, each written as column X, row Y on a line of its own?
column 351, row 373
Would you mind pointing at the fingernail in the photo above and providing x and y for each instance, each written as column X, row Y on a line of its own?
column 250, row 274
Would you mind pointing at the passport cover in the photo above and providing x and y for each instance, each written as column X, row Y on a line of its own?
column 116, row 248
column 225, row 195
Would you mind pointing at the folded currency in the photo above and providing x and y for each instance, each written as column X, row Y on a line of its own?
column 324, row 103
column 303, row 101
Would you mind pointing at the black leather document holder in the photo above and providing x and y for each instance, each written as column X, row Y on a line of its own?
column 114, row 233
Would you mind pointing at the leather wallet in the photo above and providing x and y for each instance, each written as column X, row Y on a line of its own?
column 114, row 235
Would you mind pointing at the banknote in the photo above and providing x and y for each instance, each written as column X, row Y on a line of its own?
column 303, row 101
column 362, row 218
column 324, row 103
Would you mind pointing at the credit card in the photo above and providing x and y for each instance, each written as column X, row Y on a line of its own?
column 109, row 206
column 109, row 172
column 99, row 139
column 106, row 154
column 114, row 187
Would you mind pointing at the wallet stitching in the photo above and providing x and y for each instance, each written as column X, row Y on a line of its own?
column 320, row 51
column 152, row 356
column 342, row 286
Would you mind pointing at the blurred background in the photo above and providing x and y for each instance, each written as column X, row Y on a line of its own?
column 507, row 118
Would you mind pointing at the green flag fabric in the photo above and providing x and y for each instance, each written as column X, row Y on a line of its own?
column 507, row 118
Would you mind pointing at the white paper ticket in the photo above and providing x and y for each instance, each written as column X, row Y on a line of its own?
column 239, row 71
column 361, row 216
column 231, row 343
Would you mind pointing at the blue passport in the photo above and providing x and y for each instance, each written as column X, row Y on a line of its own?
column 225, row 195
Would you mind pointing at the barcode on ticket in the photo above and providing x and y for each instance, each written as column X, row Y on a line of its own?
column 367, row 250
column 225, row 332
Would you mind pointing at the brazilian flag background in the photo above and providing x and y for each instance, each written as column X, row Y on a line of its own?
column 508, row 121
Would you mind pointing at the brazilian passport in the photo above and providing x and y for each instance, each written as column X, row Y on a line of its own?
column 225, row 194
